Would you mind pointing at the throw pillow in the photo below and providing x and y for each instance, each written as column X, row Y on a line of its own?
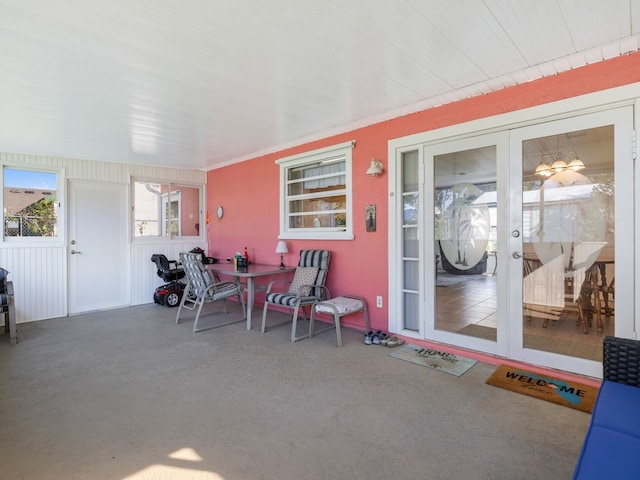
column 303, row 276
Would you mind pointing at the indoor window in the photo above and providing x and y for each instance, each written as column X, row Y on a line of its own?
column 316, row 194
column 166, row 210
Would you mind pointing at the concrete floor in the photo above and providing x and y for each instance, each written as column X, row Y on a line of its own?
column 127, row 394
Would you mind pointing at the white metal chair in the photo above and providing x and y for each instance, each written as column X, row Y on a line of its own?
column 306, row 288
column 203, row 288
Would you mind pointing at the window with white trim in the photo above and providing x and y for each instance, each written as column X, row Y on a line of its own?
column 315, row 194
column 166, row 209
column 30, row 203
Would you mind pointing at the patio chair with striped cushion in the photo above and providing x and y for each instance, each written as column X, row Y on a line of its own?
column 306, row 288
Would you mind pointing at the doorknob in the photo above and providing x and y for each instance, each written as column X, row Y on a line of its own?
column 73, row 252
column 516, row 255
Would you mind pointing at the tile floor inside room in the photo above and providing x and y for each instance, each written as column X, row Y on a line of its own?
column 468, row 304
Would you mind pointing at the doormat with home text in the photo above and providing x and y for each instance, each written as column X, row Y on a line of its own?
column 427, row 357
column 568, row 393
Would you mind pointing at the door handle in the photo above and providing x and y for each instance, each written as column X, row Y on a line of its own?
column 516, row 255
column 73, row 252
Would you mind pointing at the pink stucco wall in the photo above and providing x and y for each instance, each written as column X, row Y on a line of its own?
column 248, row 191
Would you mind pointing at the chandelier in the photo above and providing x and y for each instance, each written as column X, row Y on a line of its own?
column 551, row 164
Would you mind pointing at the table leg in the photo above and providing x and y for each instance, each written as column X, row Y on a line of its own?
column 585, row 307
column 596, row 301
column 250, row 295
column 605, row 289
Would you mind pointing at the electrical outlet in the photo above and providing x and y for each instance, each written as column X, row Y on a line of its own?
column 379, row 301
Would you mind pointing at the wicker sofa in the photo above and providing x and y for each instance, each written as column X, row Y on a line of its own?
column 611, row 448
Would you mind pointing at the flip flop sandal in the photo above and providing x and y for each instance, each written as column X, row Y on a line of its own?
column 385, row 339
column 368, row 338
column 394, row 342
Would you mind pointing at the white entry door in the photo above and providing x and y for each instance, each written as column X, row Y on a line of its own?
column 571, row 261
column 97, row 250
column 465, row 214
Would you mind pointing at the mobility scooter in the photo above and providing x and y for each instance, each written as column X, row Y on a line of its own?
column 171, row 292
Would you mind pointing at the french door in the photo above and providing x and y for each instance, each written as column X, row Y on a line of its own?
column 571, row 189
column 464, row 215
column 513, row 242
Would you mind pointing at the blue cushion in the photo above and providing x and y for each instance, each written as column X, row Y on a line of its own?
column 618, row 408
column 608, row 454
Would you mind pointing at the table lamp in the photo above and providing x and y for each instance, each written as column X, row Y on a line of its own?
column 281, row 248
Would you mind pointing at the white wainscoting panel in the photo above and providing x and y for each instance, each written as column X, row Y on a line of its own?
column 144, row 278
column 39, row 272
column 39, row 281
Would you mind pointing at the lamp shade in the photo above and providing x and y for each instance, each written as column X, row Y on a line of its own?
column 282, row 247
column 375, row 168
column 576, row 164
column 559, row 166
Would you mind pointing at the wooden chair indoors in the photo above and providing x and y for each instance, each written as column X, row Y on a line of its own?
column 203, row 287
column 306, row 288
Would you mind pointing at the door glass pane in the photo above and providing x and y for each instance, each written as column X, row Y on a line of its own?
column 568, row 242
column 465, row 242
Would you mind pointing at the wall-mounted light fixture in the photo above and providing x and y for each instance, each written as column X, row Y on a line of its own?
column 281, row 248
column 375, row 168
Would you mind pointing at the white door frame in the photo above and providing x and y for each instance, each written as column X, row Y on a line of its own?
column 626, row 231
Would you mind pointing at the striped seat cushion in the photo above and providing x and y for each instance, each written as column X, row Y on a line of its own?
column 285, row 299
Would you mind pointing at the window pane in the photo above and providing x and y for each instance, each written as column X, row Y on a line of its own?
column 166, row 210
column 410, row 171
column 315, row 194
column 189, row 211
column 148, row 208
column 171, row 218
column 320, row 205
column 325, row 212
column 316, row 178
column 411, row 244
column 411, row 311
column 411, row 275
column 410, row 209
column 332, row 221
column 30, row 200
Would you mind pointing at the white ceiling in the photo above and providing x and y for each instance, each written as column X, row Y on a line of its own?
column 201, row 84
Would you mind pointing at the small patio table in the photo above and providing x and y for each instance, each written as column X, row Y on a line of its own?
column 251, row 272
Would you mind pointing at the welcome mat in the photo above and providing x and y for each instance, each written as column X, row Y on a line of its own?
column 427, row 357
column 570, row 394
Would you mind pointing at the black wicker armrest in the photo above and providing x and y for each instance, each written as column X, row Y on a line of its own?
column 621, row 360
